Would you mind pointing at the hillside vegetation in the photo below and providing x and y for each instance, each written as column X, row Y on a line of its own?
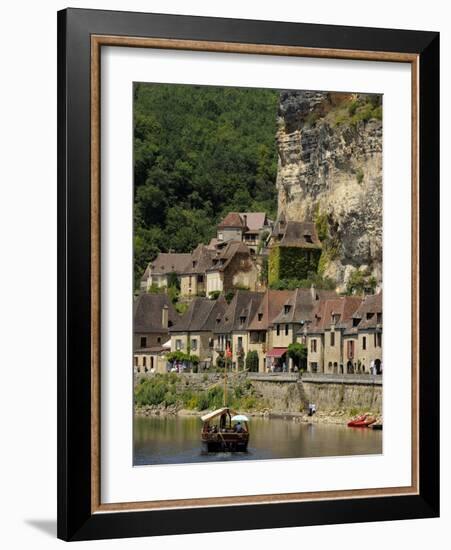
column 199, row 152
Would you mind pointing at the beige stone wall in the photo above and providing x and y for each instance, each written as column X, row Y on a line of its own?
column 332, row 353
column 152, row 339
column 282, row 340
column 142, row 361
column 183, row 338
column 372, row 351
column 248, row 279
column 229, row 235
column 202, row 341
column 188, row 285
column 318, row 356
column 214, row 282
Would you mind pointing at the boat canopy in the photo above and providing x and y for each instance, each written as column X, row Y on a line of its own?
column 214, row 414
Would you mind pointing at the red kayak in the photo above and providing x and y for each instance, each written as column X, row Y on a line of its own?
column 361, row 422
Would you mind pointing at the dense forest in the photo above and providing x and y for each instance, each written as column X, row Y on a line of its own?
column 199, row 153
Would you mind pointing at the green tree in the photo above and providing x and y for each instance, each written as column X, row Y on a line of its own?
column 252, row 361
column 298, row 352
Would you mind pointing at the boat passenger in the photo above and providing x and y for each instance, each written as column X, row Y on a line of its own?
column 238, row 427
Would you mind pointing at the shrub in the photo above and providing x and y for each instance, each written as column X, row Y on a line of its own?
column 214, row 295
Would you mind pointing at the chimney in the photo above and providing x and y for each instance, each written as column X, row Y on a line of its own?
column 313, row 293
column 245, row 219
column 164, row 316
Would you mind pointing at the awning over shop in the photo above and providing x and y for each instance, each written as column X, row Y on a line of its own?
column 276, row 352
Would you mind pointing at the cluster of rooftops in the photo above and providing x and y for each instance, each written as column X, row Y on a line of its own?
column 232, row 256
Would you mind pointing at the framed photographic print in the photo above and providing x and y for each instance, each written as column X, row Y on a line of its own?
column 248, row 274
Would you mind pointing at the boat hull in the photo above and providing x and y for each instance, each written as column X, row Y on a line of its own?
column 219, row 443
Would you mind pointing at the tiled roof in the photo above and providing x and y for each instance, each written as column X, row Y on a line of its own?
column 254, row 221
column 223, row 257
column 202, row 315
column 368, row 311
column 296, row 234
column 269, row 307
column 232, row 220
column 299, row 307
column 147, row 313
column 199, row 261
column 169, row 262
column 243, row 305
column 341, row 308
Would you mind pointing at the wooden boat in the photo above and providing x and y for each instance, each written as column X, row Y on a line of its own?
column 361, row 422
column 219, row 434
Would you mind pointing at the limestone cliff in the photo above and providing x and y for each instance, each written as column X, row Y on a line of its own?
column 330, row 171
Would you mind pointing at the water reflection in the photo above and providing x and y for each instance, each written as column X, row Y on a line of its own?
column 175, row 440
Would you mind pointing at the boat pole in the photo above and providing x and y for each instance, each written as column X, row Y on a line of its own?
column 225, row 386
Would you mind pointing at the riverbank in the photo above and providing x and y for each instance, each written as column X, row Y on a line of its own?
column 286, row 397
column 339, row 417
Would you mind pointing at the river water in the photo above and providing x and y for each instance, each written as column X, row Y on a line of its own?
column 176, row 439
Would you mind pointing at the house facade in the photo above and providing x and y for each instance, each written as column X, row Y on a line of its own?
column 232, row 267
column 166, row 265
column 153, row 315
column 193, row 333
column 247, row 227
column 193, row 279
column 259, row 328
column 345, row 336
column 231, row 333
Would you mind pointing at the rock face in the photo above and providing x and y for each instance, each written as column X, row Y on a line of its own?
column 330, row 166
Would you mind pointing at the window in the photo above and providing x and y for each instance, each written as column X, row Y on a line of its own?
column 144, row 361
column 378, row 339
column 308, row 238
column 313, row 345
column 260, row 316
column 143, row 342
column 364, row 342
column 369, row 315
column 286, row 309
column 286, row 330
column 200, row 278
column 332, row 338
column 355, row 321
column 240, row 343
column 379, row 318
column 278, row 330
column 220, row 237
column 159, row 340
column 350, row 349
column 178, row 345
column 136, row 360
column 194, row 344
column 242, row 320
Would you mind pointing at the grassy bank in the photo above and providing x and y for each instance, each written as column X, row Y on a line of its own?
column 168, row 390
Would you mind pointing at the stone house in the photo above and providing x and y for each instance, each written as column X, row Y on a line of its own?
column 232, row 267
column 159, row 271
column 153, row 315
column 193, row 279
column 287, row 326
column 193, row 332
column 247, row 227
column 366, row 331
column 232, row 332
column 327, row 334
column 259, row 327
column 294, row 250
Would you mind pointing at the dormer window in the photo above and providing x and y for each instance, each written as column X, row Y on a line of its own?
column 194, row 264
column 286, row 309
column 308, row 238
column 379, row 318
column 242, row 320
column 355, row 321
column 335, row 317
column 369, row 315
column 260, row 316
